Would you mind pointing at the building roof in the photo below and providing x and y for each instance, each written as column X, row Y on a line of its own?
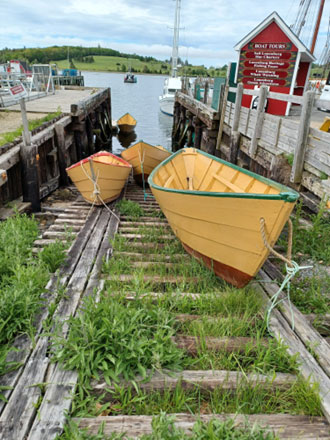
column 306, row 55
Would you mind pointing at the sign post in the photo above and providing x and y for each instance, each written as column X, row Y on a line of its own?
column 29, row 155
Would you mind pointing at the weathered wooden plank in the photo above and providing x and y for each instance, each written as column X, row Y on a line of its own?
column 286, row 426
column 263, row 91
column 140, row 236
column 193, row 345
column 309, row 336
column 308, row 366
column 89, row 103
column 299, row 155
column 151, row 279
column 59, row 392
column 189, row 380
column 152, row 257
column 10, row 158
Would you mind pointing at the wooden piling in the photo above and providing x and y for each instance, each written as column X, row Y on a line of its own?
column 259, row 120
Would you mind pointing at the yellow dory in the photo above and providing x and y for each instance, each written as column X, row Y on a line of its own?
column 126, row 123
column 144, row 158
column 101, row 177
column 215, row 209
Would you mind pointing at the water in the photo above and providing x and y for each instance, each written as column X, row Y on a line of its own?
column 141, row 101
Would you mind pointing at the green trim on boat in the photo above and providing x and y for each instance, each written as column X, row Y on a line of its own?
column 287, row 194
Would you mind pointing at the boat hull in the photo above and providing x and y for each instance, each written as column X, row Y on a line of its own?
column 221, row 229
column 110, row 178
column 144, row 158
column 126, row 123
column 166, row 105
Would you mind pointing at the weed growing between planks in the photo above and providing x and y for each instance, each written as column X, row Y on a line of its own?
column 117, row 340
column 311, row 246
column 130, row 209
column 298, row 398
column 163, row 428
column 22, row 279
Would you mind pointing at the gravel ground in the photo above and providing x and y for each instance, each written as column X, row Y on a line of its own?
column 10, row 121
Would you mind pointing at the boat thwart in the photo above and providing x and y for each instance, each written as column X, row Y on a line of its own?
column 215, row 209
column 100, row 177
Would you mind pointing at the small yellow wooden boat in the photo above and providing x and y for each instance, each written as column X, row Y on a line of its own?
column 144, row 158
column 100, row 177
column 215, row 209
column 126, row 123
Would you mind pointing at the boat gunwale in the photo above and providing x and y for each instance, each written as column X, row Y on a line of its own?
column 289, row 195
column 125, row 164
column 159, row 147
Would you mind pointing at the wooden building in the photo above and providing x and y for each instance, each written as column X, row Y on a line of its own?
column 272, row 55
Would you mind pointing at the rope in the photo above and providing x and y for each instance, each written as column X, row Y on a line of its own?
column 292, row 268
column 96, row 192
column 145, row 195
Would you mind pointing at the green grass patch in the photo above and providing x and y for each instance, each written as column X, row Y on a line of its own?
column 163, row 428
column 12, row 135
column 22, row 280
column 116, row 339
column 299, row 398
column 130, row 209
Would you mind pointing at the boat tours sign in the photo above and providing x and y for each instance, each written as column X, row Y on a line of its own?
column 272, row 55
column 269, row 64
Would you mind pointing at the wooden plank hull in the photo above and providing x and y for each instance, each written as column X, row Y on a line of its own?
column 220, row 228
column 111, row 173
column 144, row 158
column 126, row 123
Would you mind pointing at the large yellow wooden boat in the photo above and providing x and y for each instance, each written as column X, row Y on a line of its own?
column 126, row 123
column 100, row 177
column 215, row 209
column 144, row 158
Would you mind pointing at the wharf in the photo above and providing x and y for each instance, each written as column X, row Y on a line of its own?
column 80, row 276
column 82, row 127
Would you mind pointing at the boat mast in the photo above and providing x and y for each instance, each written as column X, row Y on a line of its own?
column 175, row 48
column 317, row 25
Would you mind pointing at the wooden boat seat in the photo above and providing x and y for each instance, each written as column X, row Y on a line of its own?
column 229, row 184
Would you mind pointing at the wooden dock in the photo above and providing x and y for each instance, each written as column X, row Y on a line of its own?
column 83, row 127
column 39, row 380
column 286, row 150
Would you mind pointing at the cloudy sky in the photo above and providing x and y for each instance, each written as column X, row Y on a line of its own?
column 210, row 28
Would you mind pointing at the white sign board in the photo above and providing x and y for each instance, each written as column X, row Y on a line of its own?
column 18, row 91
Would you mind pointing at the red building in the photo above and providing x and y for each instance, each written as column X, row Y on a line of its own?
column 273, row 55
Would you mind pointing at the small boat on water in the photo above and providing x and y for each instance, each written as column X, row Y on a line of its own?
column 215, row 209
column 101, row 177
column 130, row 78
column 144, row 158
column 126, row 123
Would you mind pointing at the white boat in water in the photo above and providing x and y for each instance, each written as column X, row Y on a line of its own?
column 173, row 83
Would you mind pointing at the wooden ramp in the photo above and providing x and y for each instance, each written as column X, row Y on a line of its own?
column 38, row 382
column 40, row 393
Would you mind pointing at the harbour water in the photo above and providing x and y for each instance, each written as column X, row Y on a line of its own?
column 141, row 101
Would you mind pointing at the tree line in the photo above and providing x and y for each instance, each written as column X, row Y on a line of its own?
column 57, row 53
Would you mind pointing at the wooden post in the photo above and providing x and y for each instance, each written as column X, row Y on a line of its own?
column 238, row 104
column 198, row 132
column 263, row 91
column 190, row 129
column 62, row 153
column 206, row 90
column 299, row 155
column 223, row 110
column 30, row 157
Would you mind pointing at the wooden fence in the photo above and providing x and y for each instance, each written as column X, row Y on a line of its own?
column 290, row 150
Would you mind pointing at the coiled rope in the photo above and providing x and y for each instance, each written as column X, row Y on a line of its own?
column 292, row 268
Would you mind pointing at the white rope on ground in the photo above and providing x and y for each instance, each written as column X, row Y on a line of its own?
column 96, row 192
column 292, row 268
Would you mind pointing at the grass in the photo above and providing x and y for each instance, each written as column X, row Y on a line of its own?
column 163, row 428
column 130, row 209
column 12, row 135
column 311, row 246
column 22, row 280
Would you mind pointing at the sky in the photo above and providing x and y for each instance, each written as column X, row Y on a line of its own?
column 209, row 28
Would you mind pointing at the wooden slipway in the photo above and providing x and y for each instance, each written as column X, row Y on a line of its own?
column 19, row 418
